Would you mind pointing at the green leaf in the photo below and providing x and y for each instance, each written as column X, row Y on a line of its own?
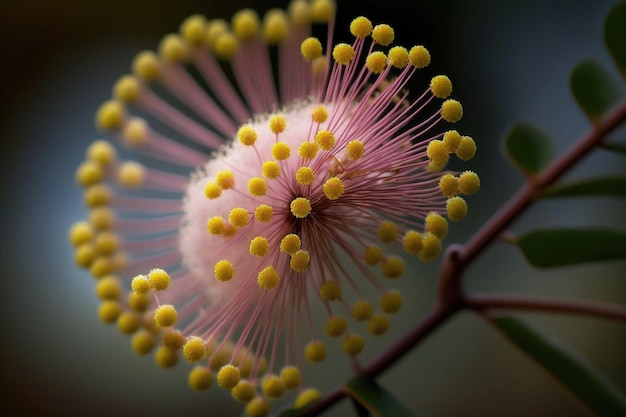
column 586, row 384
column 615, row 147
column 615, row 35
column 528, row 147
column 559, row 247
column 611, row 186
column 593, row 89
column 376, row 399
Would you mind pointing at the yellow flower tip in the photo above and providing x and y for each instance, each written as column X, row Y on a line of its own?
column 376, row 62
column 200, row 378
column 319, row 114
column 85, row 255
column 457, row 208
column 247, row 135
column 212, row 190
column 436, row 224
column 469, row 183
column 257, row 186
column 106, row 243
column 383, row 34
column 290, row 244
column 300, row 260
column 306, row 397
column 343, row 53
column 305, row 176
column 299, row 12
column 281, row 151
column 412, row 242
column 246, row 24
column 361, row 27
column 165, row 315
column 277, row 123
column 128, row 323
column 419, row 56
column 173, row 339
column 244, row 391
column 226, row 46
column 258, row 407
column 194, row 349
column 131, row 174
column 146, row 65
column 263, row 213
column 214, row 29
column 355, row 149
column 109, row 311
column 449, row 185
column 311, row 48
column 193, row 30
column 336, row 326
column 143, row 342
column 166, row 357
column 159, row 279
column 441, row 86
column 330, row 291
column 272, row 386
column 101, row 151
column 325, row 140
column 110, row 115
column 387, row 231
column 89, row 173
column 361, row 310
column 291, row 377
column 307, row 150
column 333, row 188
column 224, row 270
column 431, row 248
column 451, row 139
column 268, row 278
column 318, row 68
column 275, row 26
column 437, row 152
column 322, row 11
column 315, row 351
column 451, row 111
column 101, row 266
column 172, row 48
column 373, row 255
column 139, row 303
column 391, row 302
column 392, row 267
column 221, row 357
column 239, row 217
column 466, row 149
column 259, row 246
column 352, row 344
column 135, row 132
column 80, row 233
column 398, row 57
column 102, row 218
column 436, row 166
column 216, row 225
column 378, row 324
column 228, row 377
column 126, row 89
column 225, row 179
column 300, row 207
column 108, row 288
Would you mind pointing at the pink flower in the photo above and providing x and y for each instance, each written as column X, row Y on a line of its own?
column 324, row 173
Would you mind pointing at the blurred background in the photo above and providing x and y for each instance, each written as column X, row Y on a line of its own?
column 508, row 61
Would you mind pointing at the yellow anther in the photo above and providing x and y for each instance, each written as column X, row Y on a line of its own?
column 311, row 48
column 159, row 279
column 300, row 207
column 214, row 29
column 419, row 56
column 353, row 344
column 106, row 243
column 355, row 149
column 343, row 53
column 225, row 179
column 263, row 213
column 258, row 407
column 165, row 315
column 135, row 132
column 110, row 115
column 387, row 231
column 362, row 310
column 200, row 378
column 300, row 12
column 216, row 225
column 146, row 65
column 322, row 11
column 315, row 351
column 257, row 186
column 109, row 311
column 306, row 397
column 436, row 224
column 318, row 68
column 221, row 357
column 330, row 291
column 333, row 188
column 80, row 232
column 361, row 27
column 85, row 255
column 226, row 46
column 457, row 208
column 212, row 190
column 336, row 326
column 246, row 24
column 173, row 339
column 469, row 183
column 378, row 324
column 466, row 149
column 392, row 266
column 143, row 342
column 108, row 288
column 193, row 30
column 101, row 266
column 412, row 242
column 275, row 26
column 270, row 169
column 139, row 302
column 131, row 174
column 398, row 56
column 172, row 48
column 307, row 150
column 281, row 151
column 305, row 176
column 272, row 386
column 437, row 152
column 268, row 278
column 290, row 244
column 451, row 111
column 441, row 86
column 101, row 152
column 102, row 218
column 431, row 248
column 300, row 260
column 244, row 391
column 376, row 62
column 325, row 140
column 238, row 217
column 247, row 135
column 89, row 173
column 383, row 34
column 319, row 114
column 259, row 246
column 290, row 375
column 128, row 323
column 228, row 376
column 126, row 89
column 451, row 139
column 165, row 357
column 277, row 123
column 373, row 255
column 449, row 185
column 224, row 270
column 194, row 349
column 391, row 302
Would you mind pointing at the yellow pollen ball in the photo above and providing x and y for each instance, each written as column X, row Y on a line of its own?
column 258, row 407
column 412, row 242
column 225, row 179
column 257, row 186
column 228, row 376
column 226, row 46
column 80, row 232
column 140, row 284
column 270, row 169
column 212, row 190
column 451, row 139
column 361, row 310
column 431, row 248
column 243, row 392
column 311, row 48
column 146, row 66
column 436, row 224
column 126, row 89
column 194, row 349
column 352, row 344
column 143, row 342
column 173, row 339
column 128, row 323
column 139, row 302
column 246, row 24
column 300, row 207
column 469, row 183
column 305, row 176
column 165, row 315
column 166, row 357
column 159, row 279
column 216, row 225
column 101, row 266
column 224, row 270
column 355, row 149
column 383, row 34
column 259, row 246
column 110, row 115
column 466, row 149
column 101, row 151
column 200, row 378
column 272, row 386
column 319, row 114
column 373, row 255
column 300, row 260
column 89, row 173
column 85, row 255
column 307, row 150
column 247, row 135
column 214, row 29
column 102, row 218
column 361, row 27
column 306, row 397
column 315, row 351
column 263, row 213
column 387, row 232
column 300, row 12
column 131, row 174
column 437, row 152
column 193, row 29
column 451, row 111
column 290, row 244
column 419, row 56
column 392, row 267
column 440, row 86
column 333, row 188
column 275, row 26
column 376, row 62
column 398, row 57
column 277, row 123
column 330, row 291
column 325, row 140
column 109, row 311
column 378, row 324
column 449, row 185
column 391, row 302
column 336, row 326
column 238, row 217
column 172, row 48
column 322, row 11
column 135, row 132
column 457, row 208
column 318, row 68
column 281, row 151
column 268, row 278
column 108, row 288
column 290, row 375
column 343, row 53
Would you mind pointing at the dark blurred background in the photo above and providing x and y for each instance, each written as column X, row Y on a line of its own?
column 508, row 61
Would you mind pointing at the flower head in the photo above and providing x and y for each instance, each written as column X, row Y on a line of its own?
column 296, row 184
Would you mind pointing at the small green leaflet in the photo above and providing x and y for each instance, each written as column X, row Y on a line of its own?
column 376, row 399
column 608, row 186
column 593, row 89
column 615, row 35
column 528, row 147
